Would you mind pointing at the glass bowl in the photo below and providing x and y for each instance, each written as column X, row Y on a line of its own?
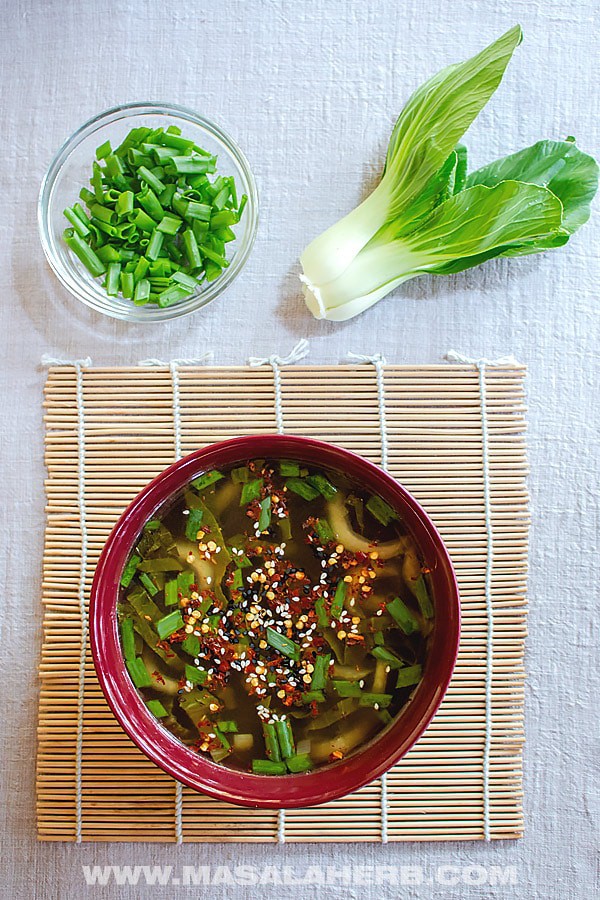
column 200, row 773
column 70, row 170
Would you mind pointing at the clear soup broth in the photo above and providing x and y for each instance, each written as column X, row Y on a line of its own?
column 275, row 616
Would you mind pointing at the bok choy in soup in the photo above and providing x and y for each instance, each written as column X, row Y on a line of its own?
column 275, row 616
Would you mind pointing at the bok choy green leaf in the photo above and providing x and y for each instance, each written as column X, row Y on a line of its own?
column 428, row 215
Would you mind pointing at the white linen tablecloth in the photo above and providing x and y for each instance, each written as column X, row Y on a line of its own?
column 310, row 90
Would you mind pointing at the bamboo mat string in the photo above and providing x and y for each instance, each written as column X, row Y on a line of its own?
column 173, row 367
column 78, row 365
column 480, row 365
column 378, row 360
column 298, row 352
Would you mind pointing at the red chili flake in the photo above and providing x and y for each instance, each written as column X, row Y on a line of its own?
column 158, row 677
column 205, row 529
column 314, row 708
column 164, row 645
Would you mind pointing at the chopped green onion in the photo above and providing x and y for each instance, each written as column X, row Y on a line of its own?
column 282, row 643
column 324, row 531
column 228, row 727
column 322, row 617
column 128, row 638
column 169, row 225
column 171, row 593
column 313, row 696
column 409, row 676
column 149, row 584
column 337, row 605
column 112, row 279
column 268, row 767
column 320, row 672
column 103, row 150
column 346, row 688
column 196, row 676
column 78, row 224
column 271, row 741
column 380, row 700
column 169, row 624
column 127, row 284
column 300, row 762
column 251, row 491
column 138, row 672
column 287, row 468
column 381, row 510
column 150, row 179
column 285, row 735
column 84, row 252
column 142, row 220
column 240, row 475
column 207, row 479
column 150, row 202
column 191, row 645
column 185, row 580
column 141, row 294
column 191, row 249
column 197, row 210
column 385, row 655
column 402, row 616
column 419, row 589
column 155, row 245
column 323, row 485
column 157, row 709
column 265, row 514
column 124, row 204
column 193, row 524
column 187, row 165
column 300, row 487
column 130, row 570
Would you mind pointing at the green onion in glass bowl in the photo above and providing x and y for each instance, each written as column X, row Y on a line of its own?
column 148, row 212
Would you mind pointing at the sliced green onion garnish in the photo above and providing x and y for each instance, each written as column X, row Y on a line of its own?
column 285, row 736
column 381, row 510
column 321, row 671
column 385, row 655
column 402, row 615
column 265, row 514
column 302, row 488
column 157, row 709
column 380, row 700
column 300, row 762
column 282, row 643
column 128, row 638
column 409, row 676
column 207, row 479
column 169, row 624
column 196, row 676
column 193, row 523
column 138, row 672
column 251, row 491
column 130, row 570
column 268, row 767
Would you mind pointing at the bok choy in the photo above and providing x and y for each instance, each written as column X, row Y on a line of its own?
column 428, row 215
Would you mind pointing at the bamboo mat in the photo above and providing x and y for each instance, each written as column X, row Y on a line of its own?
column 454, row 438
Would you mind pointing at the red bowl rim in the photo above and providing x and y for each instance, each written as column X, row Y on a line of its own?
column 264, row 791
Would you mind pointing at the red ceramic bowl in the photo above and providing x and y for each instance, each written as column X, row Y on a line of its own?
column 200, row 773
